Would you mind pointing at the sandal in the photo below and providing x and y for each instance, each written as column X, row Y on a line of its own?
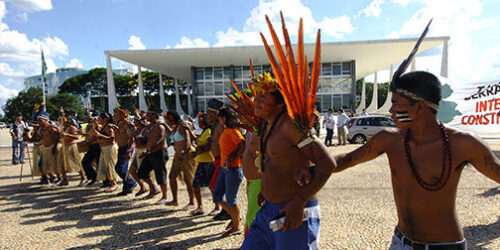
column 141, row 192
column 171, row 203
column 214, row 212
column 231, row 232
column 197, row 212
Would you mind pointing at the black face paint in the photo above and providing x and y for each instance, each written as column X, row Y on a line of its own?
column 403, row 117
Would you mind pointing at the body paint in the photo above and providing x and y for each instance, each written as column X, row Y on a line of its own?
column 403, row 117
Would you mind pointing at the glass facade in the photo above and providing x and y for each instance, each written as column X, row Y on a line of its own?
column 335, row 85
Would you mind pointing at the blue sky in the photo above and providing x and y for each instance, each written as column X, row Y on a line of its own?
column 77, row 32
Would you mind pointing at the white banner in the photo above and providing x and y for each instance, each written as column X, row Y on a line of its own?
column 472, row 107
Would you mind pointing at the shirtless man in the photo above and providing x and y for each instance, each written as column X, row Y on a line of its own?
column 94, row 151
column 140, row 148
column 72, row 158
column 125, row 149
column 50, row 138
column 286, row 149
column 156, row 156
column 426, row 160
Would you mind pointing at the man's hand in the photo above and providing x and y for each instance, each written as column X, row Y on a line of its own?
column 303, row 176
column 294, row 214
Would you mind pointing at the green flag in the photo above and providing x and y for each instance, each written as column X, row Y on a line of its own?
column 44, row 67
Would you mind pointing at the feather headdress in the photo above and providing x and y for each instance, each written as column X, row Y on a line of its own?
column 297, row 83
column 408, row 88
column 243, row 105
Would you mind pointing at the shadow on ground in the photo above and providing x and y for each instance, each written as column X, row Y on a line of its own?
column 479, row 236
column 84, row 207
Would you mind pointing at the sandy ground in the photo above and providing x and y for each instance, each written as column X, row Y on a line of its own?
column 357, row 207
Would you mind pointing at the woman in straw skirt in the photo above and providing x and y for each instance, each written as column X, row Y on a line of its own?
column 105, row 133
column 72, row 159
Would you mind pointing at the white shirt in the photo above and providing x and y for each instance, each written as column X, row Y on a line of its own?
column 329, row 120
column 363, row 114
column 18, row 129
column 342, row 120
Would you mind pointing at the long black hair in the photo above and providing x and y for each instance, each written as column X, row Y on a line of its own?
column 231, row 120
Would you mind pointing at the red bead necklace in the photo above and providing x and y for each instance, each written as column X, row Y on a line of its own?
column 446, row 170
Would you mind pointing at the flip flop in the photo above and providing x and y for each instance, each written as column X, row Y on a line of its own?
column 170, row 203
column 161, row 202
column 141, row 192
column 196, row 212
column 214, row 213
column 149, row 196
column 230, row 232
column 111, row 189
column 187, row 207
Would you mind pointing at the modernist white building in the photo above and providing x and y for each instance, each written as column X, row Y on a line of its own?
column 208, row 70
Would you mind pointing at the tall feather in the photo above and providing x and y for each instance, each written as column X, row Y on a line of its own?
column 296, row 83
column 404, row 65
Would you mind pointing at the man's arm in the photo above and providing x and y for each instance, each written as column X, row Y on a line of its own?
column 72, row 133
column 325, row 164
column 370, row 150
column 481, row 157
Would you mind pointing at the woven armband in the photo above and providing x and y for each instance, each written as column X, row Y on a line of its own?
column 307, row 141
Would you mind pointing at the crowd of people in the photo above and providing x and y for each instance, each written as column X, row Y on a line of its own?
column 268, row 139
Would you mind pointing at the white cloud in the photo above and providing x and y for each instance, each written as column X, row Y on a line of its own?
column 75, row 63
column 336, row 27
column 194, row 43
column 135, row 43
column 373, row 9
column 404, row 3
column 168, row 47
column 461, row 18
column 6, row 93
column 23, row 17
column 2, row 10
column 32, row 5
column 292, row 10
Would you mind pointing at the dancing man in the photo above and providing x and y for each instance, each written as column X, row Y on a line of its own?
column 156, row 156
column 125, row 143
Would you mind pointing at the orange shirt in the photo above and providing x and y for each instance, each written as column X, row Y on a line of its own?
column 228, row 142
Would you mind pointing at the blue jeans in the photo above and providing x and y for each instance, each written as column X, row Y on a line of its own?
column 228, row 184
column 306, row 236
column 17, row 156
column 121, row 169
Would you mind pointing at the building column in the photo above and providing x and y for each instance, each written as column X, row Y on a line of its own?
column 142, row 101
column 387, row 103
column 444, row 60
column 178, row 106
column 190, row 106
column 161, row 92
column 412, row 65
column 362, row 103
column 112, row 99
column 374, row 103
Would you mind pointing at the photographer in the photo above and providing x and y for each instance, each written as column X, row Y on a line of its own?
column 17, row 130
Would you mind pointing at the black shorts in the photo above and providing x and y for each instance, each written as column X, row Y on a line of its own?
column 157, row 162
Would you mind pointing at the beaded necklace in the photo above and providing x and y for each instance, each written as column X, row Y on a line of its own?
column 263, row 140
column 445, row 171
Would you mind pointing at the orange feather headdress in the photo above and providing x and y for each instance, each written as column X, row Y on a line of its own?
column 297, row 83
column 243, row 105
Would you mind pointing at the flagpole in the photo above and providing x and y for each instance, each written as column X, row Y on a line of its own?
column 44, row 69
column 43, row 88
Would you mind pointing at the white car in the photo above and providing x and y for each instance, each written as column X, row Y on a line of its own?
column 3, row 125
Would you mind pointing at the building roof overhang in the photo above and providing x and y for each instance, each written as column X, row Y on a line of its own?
column 370, row 56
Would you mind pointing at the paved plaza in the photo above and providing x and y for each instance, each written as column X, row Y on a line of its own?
column 358, row 212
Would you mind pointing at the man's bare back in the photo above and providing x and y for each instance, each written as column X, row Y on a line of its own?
column 122, row 135
column 214, row 139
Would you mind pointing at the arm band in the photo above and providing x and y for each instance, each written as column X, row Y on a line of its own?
column 307, row 141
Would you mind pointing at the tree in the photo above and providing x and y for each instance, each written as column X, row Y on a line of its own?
column 25, row 101
column 381, row 92
column 22, row 104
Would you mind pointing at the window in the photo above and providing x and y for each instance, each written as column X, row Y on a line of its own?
column 362, row 122
column 218, row 73
column 336, row 70
column 326, row 69
column 346, row 68
column 218, row 88
column 201, row 104
column 208, row 73
column 209, row 88
column 386, row 122
column 200, row 88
